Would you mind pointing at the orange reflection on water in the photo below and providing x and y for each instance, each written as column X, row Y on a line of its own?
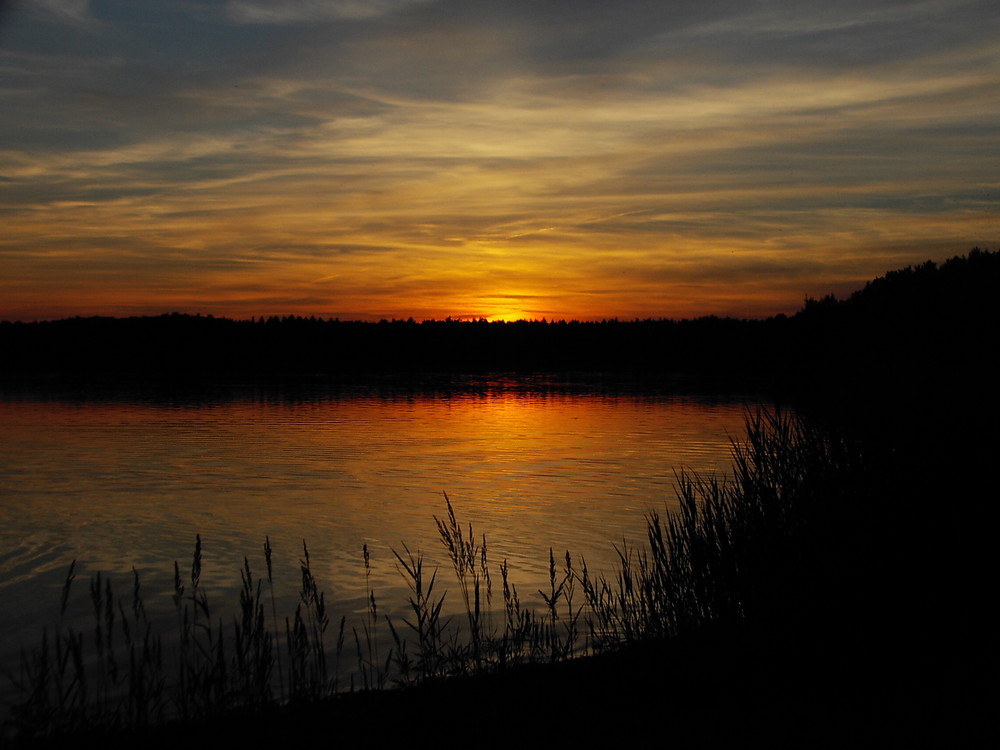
column 123, row 483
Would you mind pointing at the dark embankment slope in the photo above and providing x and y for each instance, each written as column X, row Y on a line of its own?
column 906, row 368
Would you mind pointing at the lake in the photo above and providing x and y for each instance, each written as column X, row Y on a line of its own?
column 127, row 481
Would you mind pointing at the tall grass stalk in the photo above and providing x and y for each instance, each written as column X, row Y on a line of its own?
column 469, row 560
column 424, row 621
column 731, row 552
column 274, row 616
column 372, row 670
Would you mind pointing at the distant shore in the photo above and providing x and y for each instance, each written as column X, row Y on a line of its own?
column 928, row 319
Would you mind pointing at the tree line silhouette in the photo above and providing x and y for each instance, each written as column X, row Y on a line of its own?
column 927, row 319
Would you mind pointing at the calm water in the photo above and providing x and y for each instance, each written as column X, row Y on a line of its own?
column 122, row 483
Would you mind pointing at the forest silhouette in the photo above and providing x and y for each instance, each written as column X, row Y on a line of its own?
column 929, row 319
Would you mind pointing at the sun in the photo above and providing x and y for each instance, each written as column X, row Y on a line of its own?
column 508, row 317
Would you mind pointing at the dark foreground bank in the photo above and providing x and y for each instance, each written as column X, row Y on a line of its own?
column 714, row 689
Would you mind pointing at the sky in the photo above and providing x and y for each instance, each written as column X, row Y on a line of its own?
column 558, row 159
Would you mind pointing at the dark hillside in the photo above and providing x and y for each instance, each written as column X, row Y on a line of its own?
column 907, row 365
column 924, row 326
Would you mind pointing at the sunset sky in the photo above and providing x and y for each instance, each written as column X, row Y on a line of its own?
column 508, row 159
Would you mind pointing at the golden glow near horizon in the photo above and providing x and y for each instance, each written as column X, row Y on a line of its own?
column 402, row 159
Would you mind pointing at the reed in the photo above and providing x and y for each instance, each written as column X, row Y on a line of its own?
column 425, row 622
column 373, row 672
column 469, row 560
column 722, row 558
column 739, row 548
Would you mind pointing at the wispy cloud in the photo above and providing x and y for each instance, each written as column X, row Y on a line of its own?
column 305, row 11
column 66, row 11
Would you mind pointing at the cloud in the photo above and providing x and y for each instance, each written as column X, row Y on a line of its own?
column 75, row 12
column 307, row 11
